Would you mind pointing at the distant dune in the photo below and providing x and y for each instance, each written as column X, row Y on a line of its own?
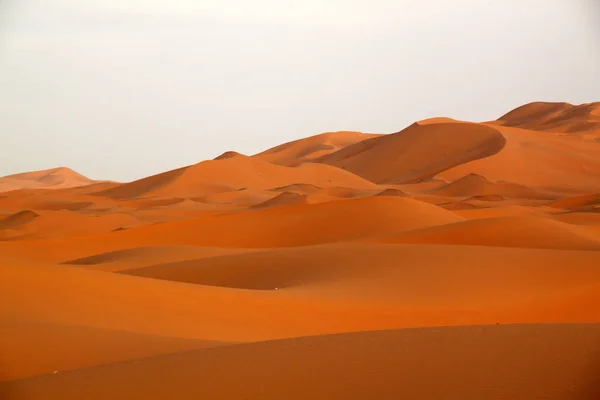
column 450, row 260
column 477, row 185
column 233, row 172
column 312, row 148
column 46, row 179
column 555, row 117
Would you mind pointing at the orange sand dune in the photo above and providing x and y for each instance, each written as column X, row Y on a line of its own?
column 555, row 117
column 232, row 173
column 534, row 112
column 146, row 256
column 243, row 197
column 531, row 232
column 578, row 203
column 417, row 153
column 502, row 209
column 296, row 272
column 289, row 198
column 438, row 120
column 311, row 148
column 312, row 224
column 578, row 218
column 154, row 202
column 92, row 188
column 17, row 220
column 330, row 191
column 477, row 185
column 391, row 192
column 398, row 274
column 321, row 289
column 519, row 362
column 537, row 160
column 44, row 224
column 298, row 189
column 60, row 347
column 55, row 199
column 45, row 179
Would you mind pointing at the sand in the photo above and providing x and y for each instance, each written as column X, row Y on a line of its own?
column 449, row 260
column 55, row 178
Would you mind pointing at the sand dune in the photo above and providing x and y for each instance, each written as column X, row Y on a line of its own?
column 289, row 198
column 537, row 160
column 17, row 220
column 46, row 224
column 243, row 197
column 232, row 173
column 398, row 275
column 555, row 117
column 60, row 347
column 330, row 191
column 554, row 362
column 578, row 203
column 55, row 200
column 335, row 294
column 146, row 256
column 311, row 148
column 477, row 185
column 334, row 221
column 45, row 179
column 298, row 188
column 532, row 232
column 417, row 153
column 391, row 192
column 296, row 273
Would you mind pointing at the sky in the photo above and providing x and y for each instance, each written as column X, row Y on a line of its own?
column 123, row 89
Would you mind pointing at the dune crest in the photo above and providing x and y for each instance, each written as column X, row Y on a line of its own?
column 55, row 178
column 312, row 148
column 229, row 173
column 555, row 117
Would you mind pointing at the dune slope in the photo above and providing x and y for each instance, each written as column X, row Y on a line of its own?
column 418, row 152
column 229, row 173
column 311, row 148
column 44, row 179
column 552, row 362
column 531, row 232
column 555, row 117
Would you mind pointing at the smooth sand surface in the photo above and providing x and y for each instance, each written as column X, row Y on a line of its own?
column 233, row 173
column 418, row 152
column 528, row 362
column 311, row 148
column 568, row 162
column 45, row 179
column 556, row 117
column 477, row 186
column 450, row 260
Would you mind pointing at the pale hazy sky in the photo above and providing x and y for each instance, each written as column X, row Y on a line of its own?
column 122, row 89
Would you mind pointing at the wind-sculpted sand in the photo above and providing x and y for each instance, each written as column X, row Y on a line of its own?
column 448, row 260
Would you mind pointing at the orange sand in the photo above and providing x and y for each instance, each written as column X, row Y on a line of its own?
column 449, row 260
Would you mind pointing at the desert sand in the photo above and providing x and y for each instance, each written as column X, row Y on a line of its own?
column 448, row 260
